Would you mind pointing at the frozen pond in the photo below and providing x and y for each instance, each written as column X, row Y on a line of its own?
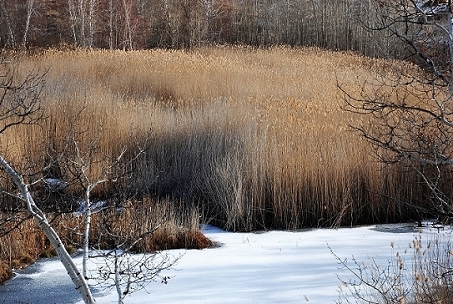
column 272, row 267
column 44, row 282
column 32, row 285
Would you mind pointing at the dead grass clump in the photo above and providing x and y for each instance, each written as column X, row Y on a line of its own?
column 163, row 240
column 159, row 225
column 23, row 261
column 5, row 271
column 22, row 246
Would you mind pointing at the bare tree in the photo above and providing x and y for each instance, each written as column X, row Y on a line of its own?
column 91, row 22
column 30, row 10
column 214, row 20
column 409, row 109
column 19, row 99
column 82, row 165
column 171, row 20
column 110, row 24
column 25, row 195
column 127, row 8
column 82, row 169
column 82, row 15
column 6, row 15
column 126, row 270
column 19, row 104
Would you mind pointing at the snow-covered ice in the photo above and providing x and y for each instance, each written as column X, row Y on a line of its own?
column 273, row 267
column 270, row 267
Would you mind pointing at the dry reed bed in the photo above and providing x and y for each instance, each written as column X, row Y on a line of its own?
column 172, row 228
column 254, row 138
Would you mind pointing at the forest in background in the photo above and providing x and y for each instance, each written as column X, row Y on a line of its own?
column 141, row 24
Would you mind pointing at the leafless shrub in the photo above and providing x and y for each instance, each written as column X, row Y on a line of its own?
column 420, row 273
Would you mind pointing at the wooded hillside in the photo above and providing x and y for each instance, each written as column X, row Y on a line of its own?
column 137, row 24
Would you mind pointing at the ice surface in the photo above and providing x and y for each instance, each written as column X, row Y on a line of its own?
column 269, row 267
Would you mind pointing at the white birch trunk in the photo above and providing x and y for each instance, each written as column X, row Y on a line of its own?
column 86, row 232
column 128, row 29
column 82, row 22
column 79, row 281
column 73, row 19
column 111, row 24
column 91, row 23
column 30, row 4
column 118, row 280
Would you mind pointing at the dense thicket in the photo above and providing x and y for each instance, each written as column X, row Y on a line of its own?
column 137, row 24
